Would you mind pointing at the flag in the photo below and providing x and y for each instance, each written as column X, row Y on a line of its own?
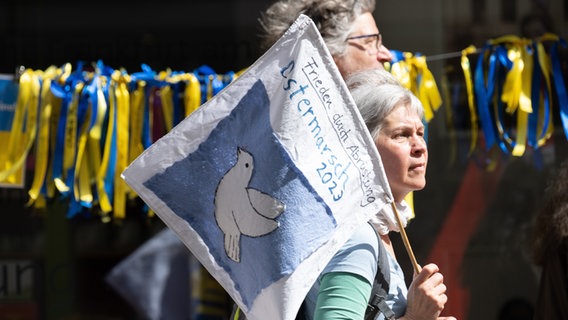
column 268, row 179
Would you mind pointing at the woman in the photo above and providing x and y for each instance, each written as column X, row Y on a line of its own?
column 393, row 116
column 347, row 27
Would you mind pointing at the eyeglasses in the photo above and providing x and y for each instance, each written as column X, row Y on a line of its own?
column 372, row 42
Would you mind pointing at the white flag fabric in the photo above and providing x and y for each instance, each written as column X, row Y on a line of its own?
column 266, row 181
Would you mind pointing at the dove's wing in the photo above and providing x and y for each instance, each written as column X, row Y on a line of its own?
column 264, row 204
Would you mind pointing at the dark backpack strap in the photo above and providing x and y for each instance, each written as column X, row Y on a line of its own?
column 377, row 302
column 302, row 312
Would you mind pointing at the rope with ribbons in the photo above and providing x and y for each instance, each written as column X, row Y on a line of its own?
column 510, row 92
column 88, row 124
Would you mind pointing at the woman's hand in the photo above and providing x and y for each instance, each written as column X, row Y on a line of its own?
column 427, row 295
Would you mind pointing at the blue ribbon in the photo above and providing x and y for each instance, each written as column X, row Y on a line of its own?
column 205, row 75
column 66, row 94
column 111, row 170
column 397, row 56
column 484, row 95
column 560, row 84
column 538, row 89
column 179, row 112
column 535, row 97
column 504, row 66
column 146, row 129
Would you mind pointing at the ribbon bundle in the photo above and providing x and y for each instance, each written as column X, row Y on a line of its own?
column 511, row 89
column 413, row 73
column 89, row 124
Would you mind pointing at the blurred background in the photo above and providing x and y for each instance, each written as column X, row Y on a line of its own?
column 473, row 219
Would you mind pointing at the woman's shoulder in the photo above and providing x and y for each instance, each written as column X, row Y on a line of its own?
column 359, row 254
column 364, row 234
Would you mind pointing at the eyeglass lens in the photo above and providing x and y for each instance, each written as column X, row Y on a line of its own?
column 377, row 39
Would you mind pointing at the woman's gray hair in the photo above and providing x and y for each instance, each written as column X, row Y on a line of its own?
column 377, row 93
column 333, row 18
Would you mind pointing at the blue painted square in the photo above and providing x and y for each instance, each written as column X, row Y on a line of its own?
column 188, row 188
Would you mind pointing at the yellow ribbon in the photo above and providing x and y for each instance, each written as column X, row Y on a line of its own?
column 413, row 73
column 513, row 82
column 50, row 186
column 42, row 141
column 136, row 121
column 192, row 94
column 81, row 185
column 466, row 67
column 404, row 72
column 100, row 167
column 516, row 93
column 428, row 92
column 59, row 183
column 524, row 99
column 70, row 138
column 520, row 143
column 122, row 97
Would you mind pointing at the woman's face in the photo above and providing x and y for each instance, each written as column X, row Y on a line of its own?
column 403, row 151
column 363, row 53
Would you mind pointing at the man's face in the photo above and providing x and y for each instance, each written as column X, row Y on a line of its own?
column 364, row 50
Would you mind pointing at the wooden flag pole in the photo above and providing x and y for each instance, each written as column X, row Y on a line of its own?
column 405, row 240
